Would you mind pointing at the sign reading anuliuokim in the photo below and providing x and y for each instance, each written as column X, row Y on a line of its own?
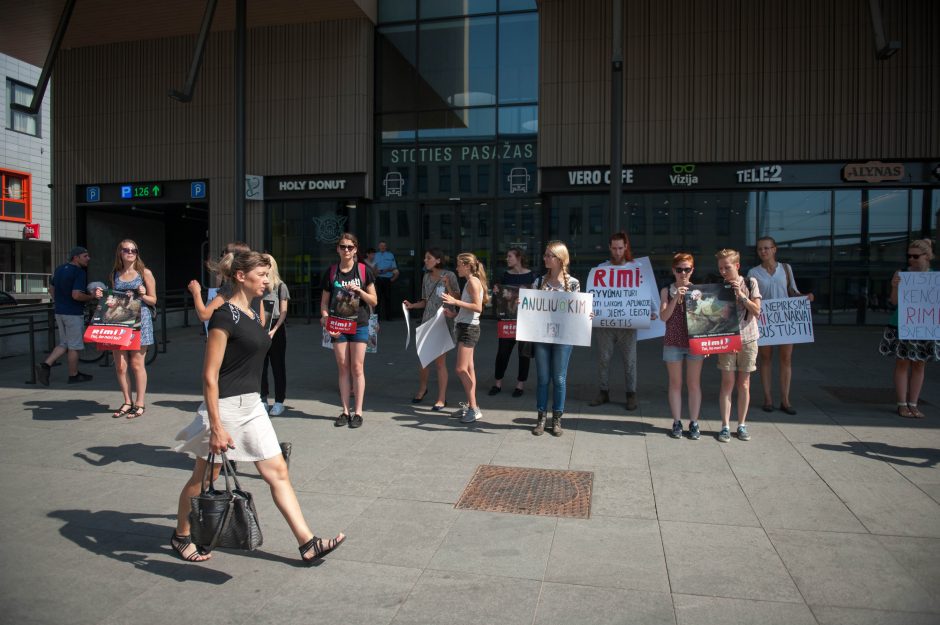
column 554, row 317
column 622, row 297
column 785, row 321
column 919, row 306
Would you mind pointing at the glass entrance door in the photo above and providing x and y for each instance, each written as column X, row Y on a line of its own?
column 457, row 227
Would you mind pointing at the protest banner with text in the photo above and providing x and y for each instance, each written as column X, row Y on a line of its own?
column 712, row 318
column 785, row 321
column 554, row 317
column 919, row 306
column 622, row 297
column 506, row 300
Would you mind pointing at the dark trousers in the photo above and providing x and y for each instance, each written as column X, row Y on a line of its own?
column 277, row 355
column 383, row 288
column 502, row 360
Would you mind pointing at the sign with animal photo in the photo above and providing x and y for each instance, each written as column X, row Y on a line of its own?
column 559, row 317
column 117, row 308
column 712, row 319
column 622, row 297
column 506, row 302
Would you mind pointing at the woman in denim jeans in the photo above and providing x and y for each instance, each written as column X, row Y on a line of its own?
column 551, row 360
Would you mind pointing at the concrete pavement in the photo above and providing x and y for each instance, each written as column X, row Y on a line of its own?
column 830, row 516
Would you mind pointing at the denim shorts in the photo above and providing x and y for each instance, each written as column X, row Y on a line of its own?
column 671, row 353
column 361, row 335
column 468, row 334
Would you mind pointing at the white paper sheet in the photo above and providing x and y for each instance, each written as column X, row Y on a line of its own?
column 433, row 338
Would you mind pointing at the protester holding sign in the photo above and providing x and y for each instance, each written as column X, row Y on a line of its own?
column 516, row 275
column 911, row 356
column 130, row 275
column 469, row 307
column 551, row 359
column 348, row 292
column 736, row 367
column 231, row 419
column 776, row 281
column 623, row 339
column 676, row 348
column 436, row 282
column 69, row 296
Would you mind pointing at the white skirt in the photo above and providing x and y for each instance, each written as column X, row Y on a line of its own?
column 246, row 421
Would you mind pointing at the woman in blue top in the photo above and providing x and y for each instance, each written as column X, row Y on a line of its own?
column 911, row 357
column 131, row 275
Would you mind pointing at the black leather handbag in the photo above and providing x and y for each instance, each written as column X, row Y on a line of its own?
column 224, row 518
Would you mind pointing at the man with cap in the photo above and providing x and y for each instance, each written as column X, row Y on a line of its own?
column 69, row 285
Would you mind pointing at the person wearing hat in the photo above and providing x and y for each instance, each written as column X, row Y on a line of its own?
column 69, row 295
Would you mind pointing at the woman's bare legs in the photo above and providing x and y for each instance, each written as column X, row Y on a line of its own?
column 918, row 368
column 440, row 363
column 190, row 490
column 901, row 368
column 139, row 367
column 467, row 373
column 120, row 372
column 341, row 352
column 675, row 390
column 356, row 354
column 786, row 373
column 693, row 382
column 765, row 356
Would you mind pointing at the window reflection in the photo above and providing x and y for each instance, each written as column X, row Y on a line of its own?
column 518, row 58
column 518, row 120
column 396, row 63
column 457, row 63
column 449, row 8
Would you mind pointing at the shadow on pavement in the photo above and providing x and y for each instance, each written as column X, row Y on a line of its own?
column 64, row 410
column 888, row 453
column 152, row 455
column 188, row 406
column 81, row 527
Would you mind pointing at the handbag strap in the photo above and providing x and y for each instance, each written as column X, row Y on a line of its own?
column 791, row 283
column 227, row 473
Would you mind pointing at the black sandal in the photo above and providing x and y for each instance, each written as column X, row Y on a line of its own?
column 181, row 543
column 136, row 411
column 319, row 547
column 123, row 410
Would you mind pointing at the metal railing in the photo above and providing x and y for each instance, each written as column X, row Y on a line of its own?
column 19, row 283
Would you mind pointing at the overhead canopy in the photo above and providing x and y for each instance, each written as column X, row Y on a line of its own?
column 28, row 27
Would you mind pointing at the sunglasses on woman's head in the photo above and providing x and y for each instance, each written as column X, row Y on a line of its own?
column 682, row 269
column 346, row 247
column 128, row 250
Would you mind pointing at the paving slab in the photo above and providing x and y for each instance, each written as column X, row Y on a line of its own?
column 563, row 604
column 699, row 610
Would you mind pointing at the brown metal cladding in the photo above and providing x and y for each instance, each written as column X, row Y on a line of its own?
column 738, row 80
column 309, row 110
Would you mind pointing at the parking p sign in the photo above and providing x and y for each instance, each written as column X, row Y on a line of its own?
column 197, row 190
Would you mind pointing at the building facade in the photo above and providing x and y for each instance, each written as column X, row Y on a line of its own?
column 480, row 125
column 25, row 178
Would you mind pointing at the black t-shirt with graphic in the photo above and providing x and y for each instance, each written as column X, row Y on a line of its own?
column 345, row 304
column 248, row 344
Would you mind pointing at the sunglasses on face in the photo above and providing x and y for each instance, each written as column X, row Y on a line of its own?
column 914, row 256
column 128, row 250
column 682, row 269
column 348, row 248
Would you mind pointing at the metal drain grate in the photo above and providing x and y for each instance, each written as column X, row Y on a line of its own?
column 518, row 490
column 864, row 395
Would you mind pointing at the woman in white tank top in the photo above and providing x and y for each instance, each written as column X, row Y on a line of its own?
column 470, row 305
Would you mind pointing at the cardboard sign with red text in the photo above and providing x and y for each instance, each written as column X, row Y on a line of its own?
column 622, row 296
column 133, row 346
column 711, row 316
column 341, row 326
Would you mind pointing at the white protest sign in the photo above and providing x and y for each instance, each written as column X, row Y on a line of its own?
column 622, row 299
column 554, row 317
column 785, row 321
column 433, row 338
column 656, row 328
column 919, row 306
column 404, row 311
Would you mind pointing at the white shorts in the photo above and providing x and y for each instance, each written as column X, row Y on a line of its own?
column 245, row 420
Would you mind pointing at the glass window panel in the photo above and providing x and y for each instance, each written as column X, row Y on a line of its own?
column 518, row 58
column 396, row 10
column 443, row 179
column 396, row 62
column 450, row 8
column 457, row 63
column 517, row 5
column 483, row 179
column 463, row 179
column 398, row 127
column 422, row 179
column 917, row 212
column 518, row 120
column 458, row 123
column 934, row 226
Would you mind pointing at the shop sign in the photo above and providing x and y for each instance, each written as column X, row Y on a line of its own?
column 467, row 153
column 873, row 171
column 585, row 177
column 254, row 187
column 761, row 174
column 683, row 176
column 31, row 231
column 313, row 186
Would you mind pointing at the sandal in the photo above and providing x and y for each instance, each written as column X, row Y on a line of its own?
column 915, row 413
column 320, row 547
column 417, row 400
column 904, row 410
column 181, row 543
column 136, row 411
column 123, row 410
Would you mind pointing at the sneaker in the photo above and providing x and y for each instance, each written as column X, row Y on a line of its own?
column 464, row 408
column 42, row 373
column 676, row 429
column 471, row 415
column 355, row 421
column 277, row 409
column 80, row 377
column 724, row 435
column 694, row 433
column 341, row 420
column 742, row 433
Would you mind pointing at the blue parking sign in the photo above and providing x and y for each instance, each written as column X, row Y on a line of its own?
column 127, row 192
column 197, row 190
column 92, row 194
